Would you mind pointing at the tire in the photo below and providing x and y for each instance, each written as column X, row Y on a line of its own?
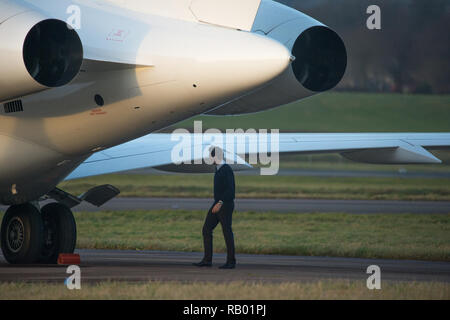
column 60, row 232
column 21, row 234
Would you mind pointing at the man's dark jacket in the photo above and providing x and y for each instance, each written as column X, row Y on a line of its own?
column 224, row 187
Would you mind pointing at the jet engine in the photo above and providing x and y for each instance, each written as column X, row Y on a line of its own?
column 319, row 59
column 38, row 53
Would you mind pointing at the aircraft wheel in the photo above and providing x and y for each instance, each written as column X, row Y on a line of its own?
column 60, row 232
column 22, row 234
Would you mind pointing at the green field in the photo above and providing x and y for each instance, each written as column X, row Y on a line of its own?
column 346, row 112
column 320, row 290
column 395, row 236
column 386, row 236
column 289, row 187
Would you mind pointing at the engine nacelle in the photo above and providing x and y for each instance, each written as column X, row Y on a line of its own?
column 320, row 59
column 38, row 53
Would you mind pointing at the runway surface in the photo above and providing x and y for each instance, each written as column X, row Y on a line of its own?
column 272, row 205
column 103, row 265
column 275, row 205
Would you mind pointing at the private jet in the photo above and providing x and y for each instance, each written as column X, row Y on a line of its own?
column 86, row 85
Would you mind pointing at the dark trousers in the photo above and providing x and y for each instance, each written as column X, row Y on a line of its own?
column 224, row 216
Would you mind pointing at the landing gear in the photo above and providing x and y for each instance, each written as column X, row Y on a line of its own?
column 21, row 234
column 29, row 236
column 60, row 232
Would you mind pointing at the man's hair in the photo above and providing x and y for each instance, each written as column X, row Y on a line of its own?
column 215, row 151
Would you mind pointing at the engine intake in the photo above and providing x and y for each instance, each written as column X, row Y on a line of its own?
column 319, row 65
column 321, row 59
column 52, row 53
column 37, row 53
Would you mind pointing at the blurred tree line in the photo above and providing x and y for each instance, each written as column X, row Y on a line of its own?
column 410, row 54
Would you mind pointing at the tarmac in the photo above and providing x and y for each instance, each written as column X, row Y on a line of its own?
column 143, row 266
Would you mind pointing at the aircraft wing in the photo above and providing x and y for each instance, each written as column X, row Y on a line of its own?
column 156, row 150
column 152, row 151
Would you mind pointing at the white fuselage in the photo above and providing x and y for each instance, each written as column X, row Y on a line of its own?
column 169, row 70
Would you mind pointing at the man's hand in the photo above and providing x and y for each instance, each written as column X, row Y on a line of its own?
column 217, row 207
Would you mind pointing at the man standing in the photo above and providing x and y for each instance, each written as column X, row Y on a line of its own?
column 221, row 211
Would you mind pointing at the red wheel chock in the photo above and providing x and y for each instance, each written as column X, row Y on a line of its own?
column 69, row 259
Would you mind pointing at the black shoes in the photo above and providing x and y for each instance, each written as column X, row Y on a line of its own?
column 228, row 266
column 202, row 264
column 209, row 265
